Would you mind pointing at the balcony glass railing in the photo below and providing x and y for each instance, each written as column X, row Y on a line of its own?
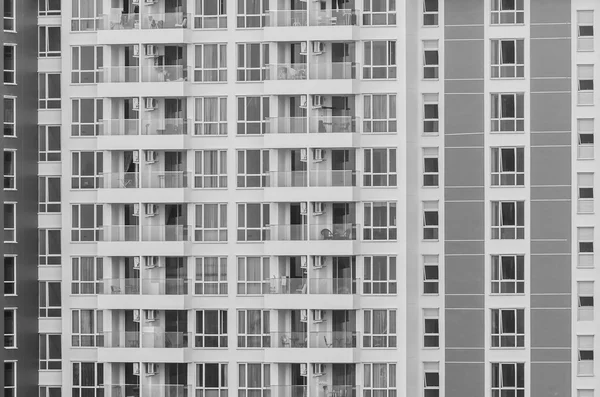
column 120, row 180
column 289, row 391
column 334, row 124
column 178, row 126
column 120, row 21
column 287, row 125
column 289, row 339
column 287, row 179
column 336, row 339
column 339, row 390
column 128, row 390
column 169, row 20
column 168, row 391
column 288, row 232
column 121, row 286
column 166, row 180
column 120, row 74
column 121, row 339
column 166, row 233
column 332, row 178
column 334, row 18
column 287, row 285
column 282, row 18
column 333, row 70
column 120, row 127
column 332, row 286
column 337, row 231
column 121, row 233
column 165, row 340
column 169, row 286
column 286, row 71
column 164, row 73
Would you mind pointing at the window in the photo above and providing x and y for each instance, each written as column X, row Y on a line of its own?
column 85, row 15
column 585, row 192
column 86, row 64
column 508, row 58
column 253, row 112
column 380, row 275
column 507, row 12
column 211, row 63
column 508, row 220
column 508, row 166
column 508, row 327
column 211, row 276
column 50, row 391
column 379, row 12
column 585, row 84
column 431, row 275
column 86, row 328
column 10, row 328
column 10, row 110
column 253, row 168
column 508, row 274
column 431, row 116
column 49, row 194
column 87, row 275
column 253, row 271
column 431, row 60
column 49, row 142
column 430, row 12
column 380, row 167
column 88, row 379
column 211, row 379
column 380, row 220
column 431, row 378
column 585, row 247
column 49, row 247
column 379, row 328
column 50, row 299
column 585, row 301
column 585, row 393
column 10, row 222
column 86, row 222
column 47, row 8
column 585, row 30
column 379, row 60
column 50, row 352
column 431, row 170
column 9, row 16
column 585, row 142
column 211, row 328
column 508, row 379
column 49, row 41
column 210, row 170
column 380, row 113
column 86, row 116
column 431, row 222
column 211, row 14
column 252, row 13
column 252, row 61
column 10, row 368
column 10, row 63
column 254, row 328
column 49, row 91
column 211, row 222
column 380, row 380
column 585, row 357
column 211, row 116
column 431, row 328
column 10, row 275
column 253, row 221
column 86, row 169
column 508, row 113
column 9, row 169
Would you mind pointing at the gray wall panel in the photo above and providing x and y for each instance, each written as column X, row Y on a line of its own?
column 463, row 247
column 550, row 166
column 550, row 31
column 464, row 193
column 464, row 59
column 547, row 57
column 467, row 164
column 550, row 220
column 550, row 192
column 551, row 301
column 550, row 11
column 457, row 267
column 464, row 221
column 551, row 111
column 542, row 84
column 552, row 355
column 465, row 380
column 463, row 32
column 550, row 139
column 463, row 86
column 550, row 247
column 550, row 274
column 461, row 140
column 465, row 355
column 550, row 379
column 551, row 328
column 464, row 301
column 464, row 328
column 464, row 113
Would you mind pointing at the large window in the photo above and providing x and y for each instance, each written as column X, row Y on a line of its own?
column 585, row 30
column 253, row 273
column 431, row 328
column 211, row 63
column 507, row 12
column 380, row 220
column 585, row 247
column 211, row 276
column 508, row 274
column 431, row 275
column 252, row 61
column 211, row 328
column 430, row 12
column 210, row 169
column 49, row 247
column 10, row 16
column 585, row 355
column 211, row 14
column 49, row 143
column 49, row 41
column 86, row 222
column 508, row 220
column 10, row 64
column 50, row 352
column 10, row 222
column 49, row 91
column 10, row 110
column 585, row 84
column 379, row 380
column 211, row 222
column 10, row 373
column 252, row 168
column 254, row 329
column 86, row 64
column 508, row 113
column 9, row 169
column 252, row 13
column 379, row 113
column 379, row 60
column 50, row 299
column 252, row 115
column 431, row 115
column 585, row 300
column 86, row 328
column 508, row 379
column 508, row 58
column 431, row 169
column 48, row 7
column 86, row 169
column 508, row 166
column 86, row 275
column 508, row 328
column 50, row 391
column 88, row 379
column 379, row 12
column 210, row 116
column 85, row 15
column 49, row 194
column 431, row 220
column 10, row 275
column 86, row 116
column 431, row 379
column 585, row 141
column 10, row 328
column 211, row 380
column 379, row 328
column 431, row 60
column 379, row 275
column 380, row 167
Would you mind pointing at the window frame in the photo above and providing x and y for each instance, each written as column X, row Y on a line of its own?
column 50, row 391
column 501, row 285
column 98, row 381
column 10, row 332
column 215, row 180
column 585, row 300
column 431, row 107
column 201, row 336
column 46, row 38
column 80, row 339
column 380, row 379
column 501, row 339
column 389, row 15
column 431, row 261
column 220, row 283
column 585, row 19
column 46, row 102
column 79, row 181
column 390, row 67
column 503, row 178
column 46, row 310
column 45, row 252
column 245, row 126
column 387, row 284
column 44, row 143
column 517, row 14
column 87, row 23
column 431, row 171
column 246, row 73
column 10, row 118
column 45, row 10
column 10, row 75
column 432, row 14
column 431, row 384
column 80, row 76
column 497, row 375
column 246, row 285
column 585, row 247
column 257, row 21
column 93, row 286
column 585, row 354
column 10, row 231
column 431, row 329
column 204, row 127
column 45, row 205
column 585, row 85
column 259, row 340
column 10, row 275
column 431, row 67
column 431, row 220
column 10, row 179
column 388, row 178
column 78, row 127
column 262, row 230
column 220, row 231
column 45, row 359
column 201, row 387
column 200, row 19
column 82, row 234
column 585, row 193
column 207, row 74
column 507, row 124
column 585, row 147
column 243, row 177
column 387, row 232
column 386, row 339
column 10, row 386
column 389, row 121
column 499, row 231
column 499, row 66
column 10, row 21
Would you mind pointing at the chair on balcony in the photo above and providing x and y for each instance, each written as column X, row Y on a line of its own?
column 285, row 341
column 327, row 234
column 328, row 344
column 183, row 23
column 115, row 290
column 302, row 289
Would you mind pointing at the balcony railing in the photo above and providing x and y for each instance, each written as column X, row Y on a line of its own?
column 334, row 124
column 333, row 70
column 334, row 18
column 168, row 391
column 170, row 20
column 121, row 233
column 120, row 127
column 339, row 390
column 333, row 339
column 166, row 233
column 288, row 391
column 165, row 73
column 120, row 180
column 286, row 71
column 178, row 126
column 121, row 286
column 286, row 125
column 288, row 232
column 168, row 286
column 282, row 18
column 121, row 339
column 166, row 180
column 287, row 285
column 332, row 286
column 337, row 231
column 128, row 390
column 331, row 178
column 289, row 339
column 166, row 340
column 120, row 74
column 120, row 21
column 287, row 179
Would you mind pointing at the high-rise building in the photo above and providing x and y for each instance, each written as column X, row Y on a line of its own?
column 300, row 198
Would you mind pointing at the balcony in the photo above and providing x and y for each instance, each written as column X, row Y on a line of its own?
column 333, row 132
column 121, row 286
column 287, row 125
column 133, row 390
column 120, row 74
column 332, row 17
column 338, row 231
column 333, row 286
column 333, row 70
column 129, row 134
column 166, row 180
column 288, row 391
column 143, row 27
column 165, row 340
column 165, row 73
column 127, row 81
column 289, row 24
column 178, row 126
column 120, row 180
column 166, row 233
column 120, row 127
column 334, row 124
column 150, row 286
column 170, row 20
column 284, row 18
column 315, row 340
column 121, row 339
column 287, row 71
column 117, row 239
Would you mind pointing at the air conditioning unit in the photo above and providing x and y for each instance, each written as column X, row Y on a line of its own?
column 136, row 51
column 149, row 2
column 150, row 104
column 304, row 262
column 151, row 156
column 317, row 208
column 317, row 101
column 319, row 261
column 136, row 315
column 151, row 50
column 135, row 104
column 135, row 1
column 318, row 316
column 304, row 315
column 318, row 47
column 151, row 369
column 136, row 369
column 150, row 209
column 303, row 155
column 318, row 155
column 303, row 101
column 303, row 48
column 318, row 370
column 136, row 210
column 136, row 156
column 150, row 262
column 150, row 315
column 303, row 369
column 136, row 262
column 304, row 208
